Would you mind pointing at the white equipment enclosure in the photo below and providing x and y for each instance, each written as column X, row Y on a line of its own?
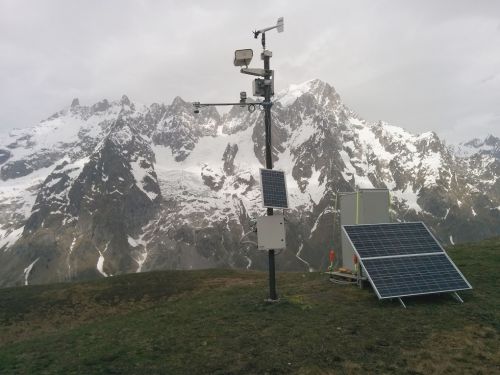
column 365, row 206
column 271, row 232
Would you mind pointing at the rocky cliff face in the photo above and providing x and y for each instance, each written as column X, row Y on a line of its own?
column 120, row 187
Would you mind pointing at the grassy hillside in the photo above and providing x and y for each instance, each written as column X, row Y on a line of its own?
column 217, row 322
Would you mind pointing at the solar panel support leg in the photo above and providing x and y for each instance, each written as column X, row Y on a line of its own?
column 402, row 303
column 457, row 297
column 359, row 279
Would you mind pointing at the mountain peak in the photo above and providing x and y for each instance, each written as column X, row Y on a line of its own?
column 491, row 140
column 75, row 103
column 178, row 101
column 125, row 100
column 320, row 90
column 101, row 106
column 490, row 145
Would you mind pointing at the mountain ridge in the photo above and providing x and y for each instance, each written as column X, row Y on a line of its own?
column 120, row 187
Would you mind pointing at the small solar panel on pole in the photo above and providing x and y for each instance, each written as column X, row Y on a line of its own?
column 273, row 188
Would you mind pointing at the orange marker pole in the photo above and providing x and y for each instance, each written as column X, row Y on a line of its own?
column 332, row 259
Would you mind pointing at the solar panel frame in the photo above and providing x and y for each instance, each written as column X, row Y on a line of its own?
column 447, row 256
column 387, row 239
column 263, row 191
column 379, row 295
column 418, row 275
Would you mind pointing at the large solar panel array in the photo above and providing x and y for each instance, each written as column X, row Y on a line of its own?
column 404, row 259
column 273, row 187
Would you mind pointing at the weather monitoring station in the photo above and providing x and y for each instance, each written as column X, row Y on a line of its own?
column 270, row 230
column 398, row 259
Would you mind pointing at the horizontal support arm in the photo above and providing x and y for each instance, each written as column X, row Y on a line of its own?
column 199, row 105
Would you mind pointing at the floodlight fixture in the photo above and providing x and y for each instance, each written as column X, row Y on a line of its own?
column 242, row 57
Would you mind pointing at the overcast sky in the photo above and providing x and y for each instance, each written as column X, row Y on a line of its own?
column 421, row 65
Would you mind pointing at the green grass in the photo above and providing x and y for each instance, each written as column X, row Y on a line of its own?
column 216, row 322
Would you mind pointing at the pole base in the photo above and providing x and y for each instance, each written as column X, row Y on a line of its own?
column 269, row 300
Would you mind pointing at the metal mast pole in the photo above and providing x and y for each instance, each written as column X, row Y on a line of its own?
column 264, row 89
column 266, row 56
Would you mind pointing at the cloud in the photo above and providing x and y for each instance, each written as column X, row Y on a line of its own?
column 489, row 78
column 418, row 65
column 466, row 127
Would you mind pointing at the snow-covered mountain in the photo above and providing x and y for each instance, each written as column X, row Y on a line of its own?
column 488, row 146
column 120, row 187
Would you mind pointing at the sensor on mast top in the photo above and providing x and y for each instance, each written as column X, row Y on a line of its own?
column 280, row 24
